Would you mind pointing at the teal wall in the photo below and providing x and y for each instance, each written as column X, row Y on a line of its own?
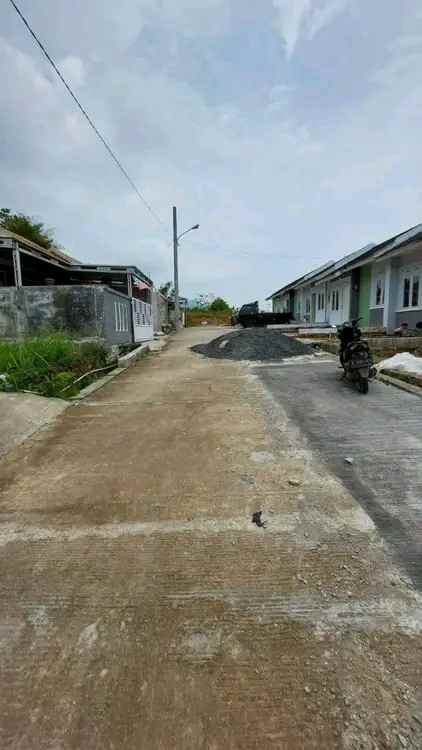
column 364, row 294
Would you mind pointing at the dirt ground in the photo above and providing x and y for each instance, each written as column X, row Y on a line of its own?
column 142, row 609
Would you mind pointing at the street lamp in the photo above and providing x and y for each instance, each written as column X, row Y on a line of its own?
column 176, row 239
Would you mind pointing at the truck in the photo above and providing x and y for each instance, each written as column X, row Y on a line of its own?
column 250, row 316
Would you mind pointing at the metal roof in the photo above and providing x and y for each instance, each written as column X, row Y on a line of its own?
column 300, row 279
column 404, row 238
column 102, row 268
column 284, row 288
column 344, row 263
column 57, row 256
column 353, row 260
column 50, row 253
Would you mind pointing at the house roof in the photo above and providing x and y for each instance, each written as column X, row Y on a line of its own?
column 345, row 263
column 99, row 268
column 300, row 280
column 57, row 256
column 51, row 253
column 394, row 243
column 284, row 288
column 353, row 260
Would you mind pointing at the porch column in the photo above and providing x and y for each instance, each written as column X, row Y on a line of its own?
column 17, row 265
column 129, row 285
column 390, row 297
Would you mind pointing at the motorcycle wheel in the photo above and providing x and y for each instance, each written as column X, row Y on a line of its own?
column 363, row 385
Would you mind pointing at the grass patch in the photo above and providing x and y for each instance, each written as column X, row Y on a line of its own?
column 49, row 364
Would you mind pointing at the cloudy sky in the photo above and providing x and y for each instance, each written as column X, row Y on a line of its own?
column 290, row 129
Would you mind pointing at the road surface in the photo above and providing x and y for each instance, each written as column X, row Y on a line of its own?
column 140, row 607
column 381, row 432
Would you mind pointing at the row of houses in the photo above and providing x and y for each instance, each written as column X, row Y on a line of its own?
column 382, row 284
column 45, row 288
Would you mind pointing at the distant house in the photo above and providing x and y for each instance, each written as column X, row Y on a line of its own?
column 382, row 284
column 46, row 288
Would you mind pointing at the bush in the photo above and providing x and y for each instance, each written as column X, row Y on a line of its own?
column 219, row 305
column 48, row 364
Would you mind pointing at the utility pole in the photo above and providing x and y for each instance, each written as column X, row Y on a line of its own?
column 176, row 270
column 176, row 239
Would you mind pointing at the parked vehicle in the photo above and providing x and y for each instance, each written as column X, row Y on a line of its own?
column 355, row 355
column 250, row 316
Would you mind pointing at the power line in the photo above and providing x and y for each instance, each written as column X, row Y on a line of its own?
column 88, row 118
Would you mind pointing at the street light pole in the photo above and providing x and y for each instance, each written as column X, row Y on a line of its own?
column 176, row 239
column 176, row 271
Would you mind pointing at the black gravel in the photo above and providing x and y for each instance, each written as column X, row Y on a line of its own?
column 253, row 344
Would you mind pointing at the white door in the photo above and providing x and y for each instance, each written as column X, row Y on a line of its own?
column 142, row 320
column 339, row 303
column 320, row 316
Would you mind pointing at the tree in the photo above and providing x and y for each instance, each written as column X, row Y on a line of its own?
column 27, row 227
column 167, row 289
column 219, row 305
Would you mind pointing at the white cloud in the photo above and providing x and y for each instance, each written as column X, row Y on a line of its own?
column 297, row 18
column 323, row 15
column 274, row 191
column 291, row 18
column 73, row 70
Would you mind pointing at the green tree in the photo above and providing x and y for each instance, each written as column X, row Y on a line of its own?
column 219, row 305
column 27, row 227
column 166, row 289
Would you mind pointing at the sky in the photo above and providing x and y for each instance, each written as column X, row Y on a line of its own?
column 289, row 129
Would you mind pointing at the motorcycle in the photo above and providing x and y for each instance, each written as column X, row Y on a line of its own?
column 355, row 355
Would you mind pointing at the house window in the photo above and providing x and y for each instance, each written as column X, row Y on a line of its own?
column 406, row 292
column 335, row 299
column 379, row 292
column 308, row 306
column 410, row 291
column 321, row 301
column 415, row 291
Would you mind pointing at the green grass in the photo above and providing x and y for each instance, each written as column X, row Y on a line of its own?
column 48, row 364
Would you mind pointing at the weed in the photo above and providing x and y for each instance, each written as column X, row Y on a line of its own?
column 48, row 364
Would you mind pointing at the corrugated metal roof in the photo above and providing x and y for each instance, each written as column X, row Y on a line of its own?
column 347, row 260
column 400, row 239
column 317, row 271
column 299, row 280
column 52, row 252
column 58, row 256
column 284, row 289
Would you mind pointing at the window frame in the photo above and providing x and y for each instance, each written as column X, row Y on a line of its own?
column 378, row 283
column 414, row 277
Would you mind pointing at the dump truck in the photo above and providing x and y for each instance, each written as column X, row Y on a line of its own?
column 249, row 316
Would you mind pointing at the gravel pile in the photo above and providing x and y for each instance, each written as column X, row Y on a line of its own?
column 253, row 344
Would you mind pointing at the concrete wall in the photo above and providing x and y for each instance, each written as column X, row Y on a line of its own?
column 110, row 299
column 160, row 311
column 411, row 317
column 85, row 311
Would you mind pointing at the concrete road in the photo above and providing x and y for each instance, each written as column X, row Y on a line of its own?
column 22, row 414
column 381, row 432
column 140, row 607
